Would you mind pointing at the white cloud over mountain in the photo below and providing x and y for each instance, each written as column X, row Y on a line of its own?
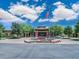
column 7, row 17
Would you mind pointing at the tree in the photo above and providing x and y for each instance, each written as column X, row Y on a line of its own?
column 16, row 31
column 56, row 30
column 21, row 28
column 26, row 28
column 68, row 31
column 77, row 29
column 1, row 31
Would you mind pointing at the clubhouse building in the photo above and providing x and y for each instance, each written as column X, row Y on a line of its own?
column 40, row 31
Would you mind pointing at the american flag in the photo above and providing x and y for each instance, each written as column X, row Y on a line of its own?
column 47, row 15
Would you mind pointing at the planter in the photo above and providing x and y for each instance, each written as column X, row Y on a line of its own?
column 75, row 39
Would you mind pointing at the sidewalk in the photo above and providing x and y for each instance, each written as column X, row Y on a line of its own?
column 21, row 41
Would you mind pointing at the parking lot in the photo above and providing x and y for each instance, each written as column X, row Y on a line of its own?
column 39, row 51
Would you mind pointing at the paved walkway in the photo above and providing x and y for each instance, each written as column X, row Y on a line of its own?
column 39, row 51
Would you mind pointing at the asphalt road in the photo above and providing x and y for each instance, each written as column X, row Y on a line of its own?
column 39, row 51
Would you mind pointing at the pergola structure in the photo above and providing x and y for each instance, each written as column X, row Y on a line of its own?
column 41, row 32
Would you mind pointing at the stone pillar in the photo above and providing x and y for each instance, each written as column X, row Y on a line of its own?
column 36, row 34
column 47, row 34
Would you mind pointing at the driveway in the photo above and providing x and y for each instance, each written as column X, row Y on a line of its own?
column 39, row 51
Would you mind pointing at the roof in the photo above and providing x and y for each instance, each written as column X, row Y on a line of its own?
column 41, row 27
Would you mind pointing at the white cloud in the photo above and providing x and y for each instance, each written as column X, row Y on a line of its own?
column 43, row 20
column 7, row 17
column 75, row 7
column 25, row 11
column 25, row 0
column 58, row 3
column 21, row 9
column 53, row 20
column 36, row 0
column 63, row 13
column 29, row 0
column 40, row 9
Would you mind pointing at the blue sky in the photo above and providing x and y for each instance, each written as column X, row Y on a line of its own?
column 39, row 12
